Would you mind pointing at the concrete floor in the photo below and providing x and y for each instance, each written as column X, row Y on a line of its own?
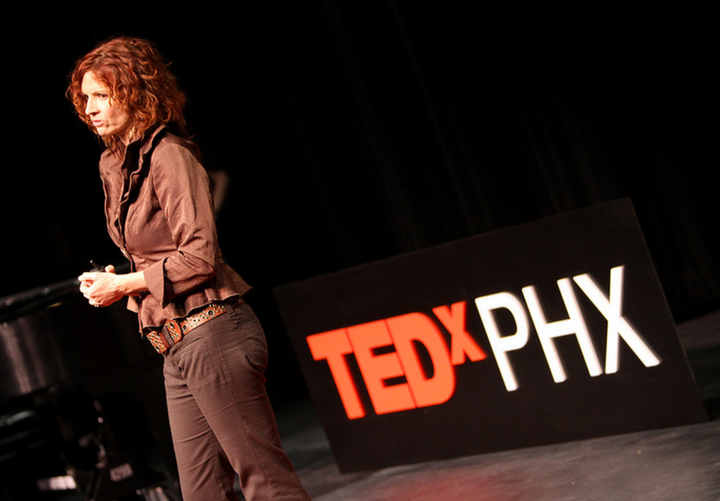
column 673, row 464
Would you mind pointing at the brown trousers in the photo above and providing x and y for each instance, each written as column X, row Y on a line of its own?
column 220, row 415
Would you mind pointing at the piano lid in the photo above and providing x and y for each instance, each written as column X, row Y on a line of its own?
column 50, row 336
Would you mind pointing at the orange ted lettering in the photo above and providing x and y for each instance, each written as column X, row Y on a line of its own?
column 420, row 390
column 402, row 332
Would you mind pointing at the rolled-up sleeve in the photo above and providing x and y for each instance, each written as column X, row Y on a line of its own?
column 182, row 227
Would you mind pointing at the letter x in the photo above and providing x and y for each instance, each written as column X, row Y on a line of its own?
column 618, row 326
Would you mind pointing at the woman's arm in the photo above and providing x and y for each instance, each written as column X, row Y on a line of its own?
column 181, row 187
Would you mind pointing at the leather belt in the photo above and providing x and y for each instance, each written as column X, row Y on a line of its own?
column 176, row 329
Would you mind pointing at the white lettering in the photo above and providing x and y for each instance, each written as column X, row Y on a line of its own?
column 618, row 326
column 502, row 344
column 609, row 306
column 574, row 325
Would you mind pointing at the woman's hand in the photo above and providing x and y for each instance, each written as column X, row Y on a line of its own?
column 103, row 288
column 100, row 288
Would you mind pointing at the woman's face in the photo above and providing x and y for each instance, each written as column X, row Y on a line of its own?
column 107, row 116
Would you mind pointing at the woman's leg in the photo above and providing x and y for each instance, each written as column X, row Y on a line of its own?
column 205, row 473
column 222, row 363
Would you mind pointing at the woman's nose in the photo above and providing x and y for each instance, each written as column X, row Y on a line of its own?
column 90, row 107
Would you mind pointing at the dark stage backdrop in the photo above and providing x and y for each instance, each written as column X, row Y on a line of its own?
column 357, row 130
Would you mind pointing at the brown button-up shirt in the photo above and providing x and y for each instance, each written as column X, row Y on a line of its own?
column 159, row 212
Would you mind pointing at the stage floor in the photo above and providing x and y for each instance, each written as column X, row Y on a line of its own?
column 671, row 464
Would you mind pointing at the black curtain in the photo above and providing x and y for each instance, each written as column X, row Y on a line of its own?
column 353, row 131
column 409, row 124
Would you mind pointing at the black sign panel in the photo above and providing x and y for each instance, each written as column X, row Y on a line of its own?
column 551, row 331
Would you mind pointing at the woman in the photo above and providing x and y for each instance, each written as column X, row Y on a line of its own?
column 189, row 302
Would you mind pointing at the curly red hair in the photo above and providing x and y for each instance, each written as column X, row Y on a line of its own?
column 139, row 80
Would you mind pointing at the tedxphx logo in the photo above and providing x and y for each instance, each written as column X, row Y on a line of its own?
column 385, row 349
